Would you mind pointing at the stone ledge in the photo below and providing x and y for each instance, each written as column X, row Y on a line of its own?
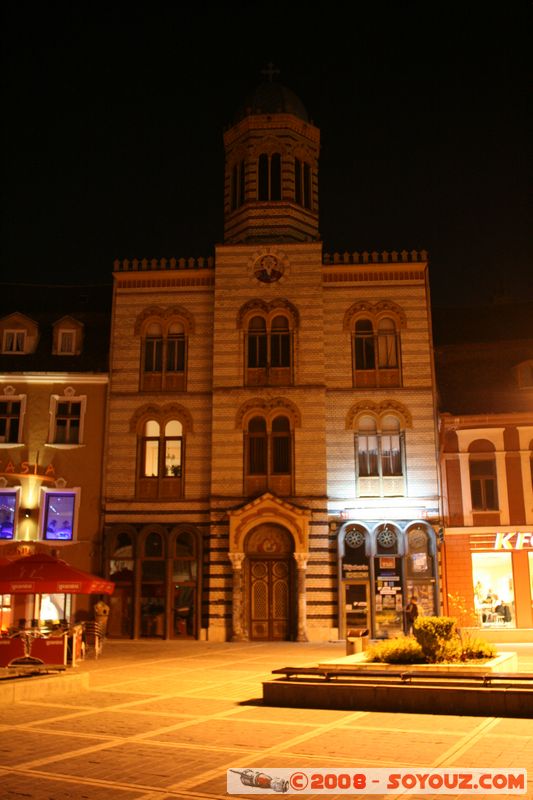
column 404, row 698
column 42, row 687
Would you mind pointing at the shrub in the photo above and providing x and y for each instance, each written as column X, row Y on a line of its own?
column 403, row 650
column 436, row 636
column 477, row 648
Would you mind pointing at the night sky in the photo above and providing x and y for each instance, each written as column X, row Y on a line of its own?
column 113, row 122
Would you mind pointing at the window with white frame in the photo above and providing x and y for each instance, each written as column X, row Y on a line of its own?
column 14, row 341
column 380, row 456
column 59, row 514
column 66, row 419
column 11, row 418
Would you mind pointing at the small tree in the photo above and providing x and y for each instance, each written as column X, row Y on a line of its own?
column 466, row 618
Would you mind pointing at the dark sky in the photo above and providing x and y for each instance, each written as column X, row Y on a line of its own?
column 113, row 121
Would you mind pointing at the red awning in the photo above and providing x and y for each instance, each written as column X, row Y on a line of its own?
column 44, row 574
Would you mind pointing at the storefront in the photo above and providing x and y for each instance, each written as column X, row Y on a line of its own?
column 381, row 566
column 502, row 578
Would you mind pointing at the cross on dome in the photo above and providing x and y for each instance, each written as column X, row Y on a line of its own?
column 270, row 71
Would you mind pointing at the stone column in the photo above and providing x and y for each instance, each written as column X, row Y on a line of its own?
column 301, row 566
column 238, row 634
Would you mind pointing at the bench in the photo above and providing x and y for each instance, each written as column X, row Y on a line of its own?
column 406, row 675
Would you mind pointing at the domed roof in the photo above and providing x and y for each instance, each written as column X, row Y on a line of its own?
column 271, row 98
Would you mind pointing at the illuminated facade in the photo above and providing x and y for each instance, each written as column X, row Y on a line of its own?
column 271, row 454
column 53, row 388
column 487, row 475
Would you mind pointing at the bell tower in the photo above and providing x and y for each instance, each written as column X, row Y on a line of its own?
column 271, row 169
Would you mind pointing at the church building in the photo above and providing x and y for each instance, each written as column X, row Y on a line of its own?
column 271, row 457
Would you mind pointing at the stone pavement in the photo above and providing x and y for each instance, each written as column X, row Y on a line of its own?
column 165, row 720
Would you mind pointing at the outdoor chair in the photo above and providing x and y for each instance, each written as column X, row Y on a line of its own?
column 92, row 638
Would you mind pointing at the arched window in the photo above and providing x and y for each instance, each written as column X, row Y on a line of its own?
column 380, row 456
column 483, row 478
column 376, row 352
column 302, row 183
column 268, row 455
column 165, row 356
column 237, row 185
column 269, row 351
column 269, row 177
column 161, row 460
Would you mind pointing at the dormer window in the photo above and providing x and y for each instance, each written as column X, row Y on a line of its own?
column 67, row 339
column 524, row 375
column 14, row 342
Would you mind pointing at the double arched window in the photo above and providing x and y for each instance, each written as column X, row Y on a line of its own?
column 164, row 355
column 376, row 352
column 269, row 350
column 380, row 456
column 160, row 471
column 269, row 455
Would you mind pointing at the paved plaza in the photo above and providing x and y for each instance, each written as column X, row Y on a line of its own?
column 165, row 720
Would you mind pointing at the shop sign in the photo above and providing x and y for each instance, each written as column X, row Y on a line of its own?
column 26, row 468
column 355, row 570
column 513, row 541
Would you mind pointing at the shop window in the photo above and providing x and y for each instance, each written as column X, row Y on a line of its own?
column 8, row 513
column 483, row 484
column 494, row 599
column 11, row 418
column 67, row 415
column 380, row 459
column 164, row 357
column 153, row 572
column 269, row 177
column 121, row 572
column 161, row 459
column 376, row 352
column 269, row 351
column 185, row 575
column 59, row 514
column 269, row 455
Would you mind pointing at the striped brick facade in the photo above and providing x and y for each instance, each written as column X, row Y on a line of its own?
column 313, row 507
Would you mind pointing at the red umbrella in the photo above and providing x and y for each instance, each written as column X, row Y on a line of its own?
column 44, row 574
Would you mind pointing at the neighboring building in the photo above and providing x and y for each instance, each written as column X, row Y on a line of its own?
column 53, row 391
column 272, row 453
column 485, row 377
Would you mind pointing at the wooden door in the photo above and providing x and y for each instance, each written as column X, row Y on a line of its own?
column 270, row 599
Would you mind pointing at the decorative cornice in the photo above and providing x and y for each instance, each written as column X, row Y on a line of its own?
column 375, row 257
column 156, row 264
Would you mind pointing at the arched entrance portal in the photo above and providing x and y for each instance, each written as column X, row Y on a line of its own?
column 270, row 596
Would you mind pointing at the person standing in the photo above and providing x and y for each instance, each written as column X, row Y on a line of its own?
column 411, row 613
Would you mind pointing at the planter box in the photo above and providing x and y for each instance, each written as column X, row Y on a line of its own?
column 503, row 662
